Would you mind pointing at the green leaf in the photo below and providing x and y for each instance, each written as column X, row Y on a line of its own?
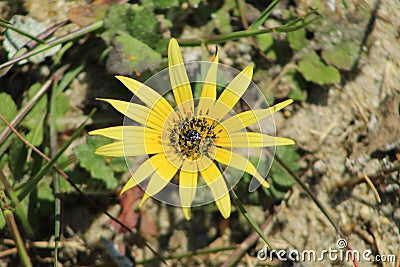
column 161, row 4
column 14, row 41
column 2, row 221
column 295, row 82
column 45, row 192
column 131, row 55
column 61, row 107
column 41, row 204
column 65, row 187
column 341, row 42
column 17, row 158
column 315, row 70
column 297, row 94
column 7, row 108
column 342, row 55
column 297, row 39
column 275, row 191
column 21, row 213
column 266, row 43
column 35, row 136
column 134, row 20
column 289, row 154
column 280, row 181
column 100, row 167
column 35, row 118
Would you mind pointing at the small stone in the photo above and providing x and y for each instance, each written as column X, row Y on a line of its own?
column 396, row 214
column 384, row 221
column 319, row 167
column 387, row 209
column 365, row 213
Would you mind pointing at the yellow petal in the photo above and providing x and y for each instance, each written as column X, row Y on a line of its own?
column 250, row 139
column 165, row 171
column 138, row 113
column 129, row 148
column 179, row 80
column 209, row 90
column 146, row 169
column 187, row 186
column 215, row 181
column 232, row 93
column 125, row 132
column 247, row 118
column 237, row 161
column 146, row 196
column 150, row 97
column 186, row 212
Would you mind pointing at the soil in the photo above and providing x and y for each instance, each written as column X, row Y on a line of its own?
column 348, row 136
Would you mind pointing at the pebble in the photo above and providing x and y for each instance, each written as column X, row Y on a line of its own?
column 396, row 214
column 365, row 213
column 319, row 167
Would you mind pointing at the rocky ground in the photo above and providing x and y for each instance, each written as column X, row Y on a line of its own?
column 348, row 138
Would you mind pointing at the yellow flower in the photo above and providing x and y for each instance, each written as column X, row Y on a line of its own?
column 190, row 139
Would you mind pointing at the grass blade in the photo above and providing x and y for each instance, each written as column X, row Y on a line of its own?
column 264, row 16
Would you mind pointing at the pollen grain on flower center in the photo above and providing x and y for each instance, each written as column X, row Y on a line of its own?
column 193, row 138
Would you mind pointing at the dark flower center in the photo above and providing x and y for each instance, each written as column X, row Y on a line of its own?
column 193, row 137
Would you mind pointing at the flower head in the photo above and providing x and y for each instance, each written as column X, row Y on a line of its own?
column 190, row 140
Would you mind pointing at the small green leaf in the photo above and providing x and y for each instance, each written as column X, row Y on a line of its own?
column 45, row 192
column 315, row 70
column 14, row 41
column 161, row 4
column 100, row 167
column 134, row 20
column 267, row 43
column 7, row 108
column 61, row 107
column 2, row 221
column 289, row 154
column 297, row 39
column 17, row 158
column 275, row 191
column 35, row 136
column 65, row 187
column 41, row 203
column 130, row 55
column 342, row 55
column 297, row 94
column 34, row 120
column 280, row 181
column 295, row 82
